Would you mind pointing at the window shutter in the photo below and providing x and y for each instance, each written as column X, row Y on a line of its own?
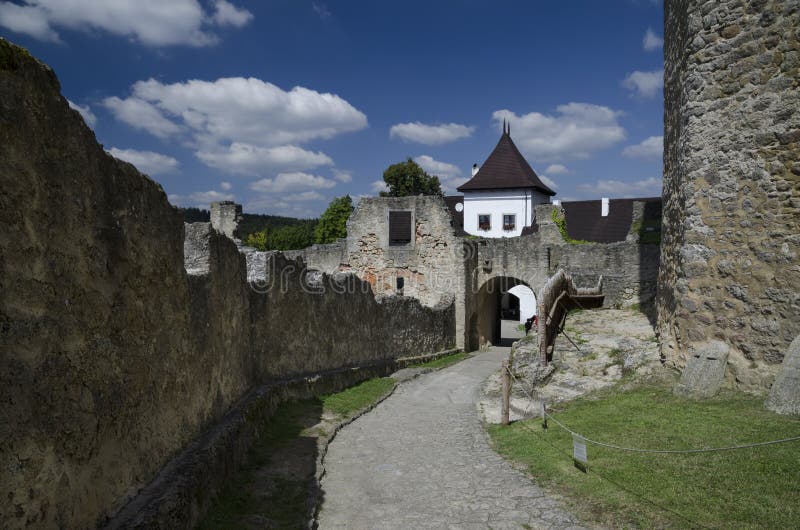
column 399, row 228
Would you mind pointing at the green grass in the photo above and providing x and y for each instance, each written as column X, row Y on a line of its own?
column 288, row 436
column 748, row 488
column 442, row 362
column 354, row 399
column 286, row 506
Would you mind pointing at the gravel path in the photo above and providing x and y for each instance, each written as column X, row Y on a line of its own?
column 421, row 460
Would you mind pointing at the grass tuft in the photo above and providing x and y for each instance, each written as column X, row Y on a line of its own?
column 358, row 397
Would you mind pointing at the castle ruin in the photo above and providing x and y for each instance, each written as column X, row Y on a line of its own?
column 137, row 352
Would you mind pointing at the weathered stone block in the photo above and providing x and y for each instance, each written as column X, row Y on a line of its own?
column 705, row 371
column 784, row 396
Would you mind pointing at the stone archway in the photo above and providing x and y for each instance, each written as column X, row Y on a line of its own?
column 496, row 309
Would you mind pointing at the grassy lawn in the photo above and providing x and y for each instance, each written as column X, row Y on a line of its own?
column 272, row 490
column 748, row 488
column 442, row 362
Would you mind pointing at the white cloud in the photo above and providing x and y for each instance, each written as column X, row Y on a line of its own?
column 305, row 196
column 644, row 84
column 140, row 114
column 556, row 169
column 247, row 159
column 450, row 185
column 549, row 182
column 201, row 199
column 321, row 10
column 342, row 175
column 576, row 131
column 85, row 112
column 652, row 147
column 294, row 181
column 28, row 21
column 226, row 186
column 436, row 167
column 450, row 176
column 378, row 186
column 651, row 41
column 146, row 161
column 240, row 125
column 430, row 134
column 150, row 22
column 617, row 188
column 227, row 14
column 241, row 109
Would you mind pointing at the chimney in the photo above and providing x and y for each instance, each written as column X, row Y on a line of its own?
column 474, row 169
column 604, row 207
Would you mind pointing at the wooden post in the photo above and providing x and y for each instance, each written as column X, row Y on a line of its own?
column 506, row 392
column 544, row 415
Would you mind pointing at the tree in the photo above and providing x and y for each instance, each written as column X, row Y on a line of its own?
column 257, row 240
column 407, row 178
column 288, row 237
column 333, row 223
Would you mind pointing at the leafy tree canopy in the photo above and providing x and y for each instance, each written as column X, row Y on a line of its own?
column 408, row 178
column 289, row 237
column 333, row 223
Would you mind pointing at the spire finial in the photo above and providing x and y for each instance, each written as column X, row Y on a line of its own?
column 509, row 128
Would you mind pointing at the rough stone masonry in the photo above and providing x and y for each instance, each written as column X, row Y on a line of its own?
column 731, row 235
column 125, row 335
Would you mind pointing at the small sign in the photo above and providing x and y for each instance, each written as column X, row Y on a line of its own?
column 578, row 448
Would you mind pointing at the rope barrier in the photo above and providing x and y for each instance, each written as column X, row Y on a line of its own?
column 657, row 451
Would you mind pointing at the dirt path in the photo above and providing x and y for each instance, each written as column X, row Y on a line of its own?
column 421, row 460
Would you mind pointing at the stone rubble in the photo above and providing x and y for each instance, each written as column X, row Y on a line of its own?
column 614, row 344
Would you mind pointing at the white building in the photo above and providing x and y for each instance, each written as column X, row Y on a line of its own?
column 500, row 197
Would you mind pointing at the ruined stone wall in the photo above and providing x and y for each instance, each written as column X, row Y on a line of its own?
column 114, row 352
column 629, row 269
column 323, row 257
column 731, row 233
column 225, row 217
column 432, row 266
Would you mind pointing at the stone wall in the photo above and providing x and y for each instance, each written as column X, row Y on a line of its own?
column 437, row 263
column 731, row 233
column 431, row 266
column 115, row 352
column 629, row 269
column 323, row 257
column 225, row 217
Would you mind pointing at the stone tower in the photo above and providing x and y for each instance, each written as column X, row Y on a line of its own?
column 731, row 234
column 225, row 217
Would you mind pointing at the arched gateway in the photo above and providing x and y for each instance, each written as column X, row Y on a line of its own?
column 502, row 304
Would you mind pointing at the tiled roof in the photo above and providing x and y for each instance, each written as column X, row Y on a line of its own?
column 505, row 168
column 585, row 222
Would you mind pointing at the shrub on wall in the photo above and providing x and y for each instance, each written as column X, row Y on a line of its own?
column 561, row 222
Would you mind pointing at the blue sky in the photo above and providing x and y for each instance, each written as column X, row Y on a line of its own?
column 284, row 104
